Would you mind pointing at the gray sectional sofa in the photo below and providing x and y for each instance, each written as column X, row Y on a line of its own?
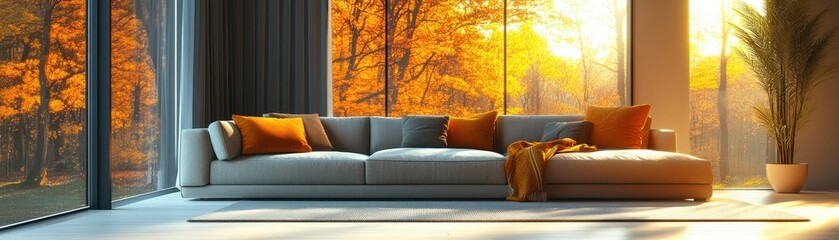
column 367, row 162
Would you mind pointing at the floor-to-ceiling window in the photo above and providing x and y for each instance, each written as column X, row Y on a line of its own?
column 45, row 103
column 42, row 108
column 396, row 57
column 141, row 73
column 723, row 91
column 358, row 57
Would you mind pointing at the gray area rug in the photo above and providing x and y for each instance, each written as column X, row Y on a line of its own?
column 493, row 211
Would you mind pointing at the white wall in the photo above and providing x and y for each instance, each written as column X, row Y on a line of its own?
column 660, row 64
column 819, row 141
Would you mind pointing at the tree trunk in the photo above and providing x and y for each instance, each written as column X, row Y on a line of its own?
column 82, row 139
column 584, row 61
column 37, row 173
column 533, row 79
column 621, row 51
column 398, row 77
column 20, row 145
column 56, row 143
column 7, row 151
column 150, row 12
column 722, row 98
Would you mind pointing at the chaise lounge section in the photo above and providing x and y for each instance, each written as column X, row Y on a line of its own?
column 368, row 162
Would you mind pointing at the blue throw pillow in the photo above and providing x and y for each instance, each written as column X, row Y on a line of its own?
column 579, row 131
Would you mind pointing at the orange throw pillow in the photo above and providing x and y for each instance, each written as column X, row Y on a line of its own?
column 272, row 135
column 617, row 127
column 474, row 132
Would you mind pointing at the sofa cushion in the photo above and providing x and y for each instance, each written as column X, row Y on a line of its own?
column 628, row 166
column 226, row 139
column 435, row 166
column 513, row 128
column 577, row 130
column 425, row 131
column 294, row 168
column 385, row 133
column 348, row 134
column 315, row 135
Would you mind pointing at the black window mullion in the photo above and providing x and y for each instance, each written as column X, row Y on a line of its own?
column 98, row 103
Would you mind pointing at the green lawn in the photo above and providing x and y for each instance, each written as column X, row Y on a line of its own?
column 18, row 203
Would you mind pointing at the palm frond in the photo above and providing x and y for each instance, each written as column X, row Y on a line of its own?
column 787, row 51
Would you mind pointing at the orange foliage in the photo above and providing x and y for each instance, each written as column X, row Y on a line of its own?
column 65, row 65
column 134, row 93
column 447, row 57
column 135, row 122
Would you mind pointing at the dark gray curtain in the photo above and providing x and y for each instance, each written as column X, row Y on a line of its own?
column 260, row 56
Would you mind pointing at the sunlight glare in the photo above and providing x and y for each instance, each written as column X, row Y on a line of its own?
column 596, row 27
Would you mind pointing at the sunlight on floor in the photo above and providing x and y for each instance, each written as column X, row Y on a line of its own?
column 165, row 218
column 822, row 215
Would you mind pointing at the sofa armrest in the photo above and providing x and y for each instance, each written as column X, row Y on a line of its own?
column 196, row 152
column 663, row 140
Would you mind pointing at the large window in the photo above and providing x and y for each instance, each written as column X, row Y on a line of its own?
column 722, row 92
column 42, row 108
column 397, row 57
column 44, row 103
column 358, row 56
column 564, row 55
column 141, row 54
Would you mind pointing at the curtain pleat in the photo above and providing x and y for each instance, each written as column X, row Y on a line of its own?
column 185, row 60
column 259, row 56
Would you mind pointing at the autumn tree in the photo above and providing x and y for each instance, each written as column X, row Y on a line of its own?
column 358, row 57
column 448, row 57
column 60, row 65
column 536, row 74
column 426, row 66
column 722, row 95
column 42, row 71
column 580, row 44
column 135, row 78
column 619, row 14
column 43, row 87
column 729, row 137
column 152, row 17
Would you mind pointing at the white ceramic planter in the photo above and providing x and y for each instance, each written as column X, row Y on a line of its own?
column 787, row 178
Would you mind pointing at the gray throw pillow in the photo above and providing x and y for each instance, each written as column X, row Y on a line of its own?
column 578, row 131
column 425, row 131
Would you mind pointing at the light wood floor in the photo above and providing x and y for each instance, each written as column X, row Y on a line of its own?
column 165, row 218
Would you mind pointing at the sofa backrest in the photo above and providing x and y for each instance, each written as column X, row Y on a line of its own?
column 511, row 128
column 385, row 133
column 348, row 134
column 367, row 135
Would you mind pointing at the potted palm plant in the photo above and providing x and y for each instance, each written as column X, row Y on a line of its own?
column 787, row 51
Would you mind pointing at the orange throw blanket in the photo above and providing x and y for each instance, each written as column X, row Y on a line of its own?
column 526, row 162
